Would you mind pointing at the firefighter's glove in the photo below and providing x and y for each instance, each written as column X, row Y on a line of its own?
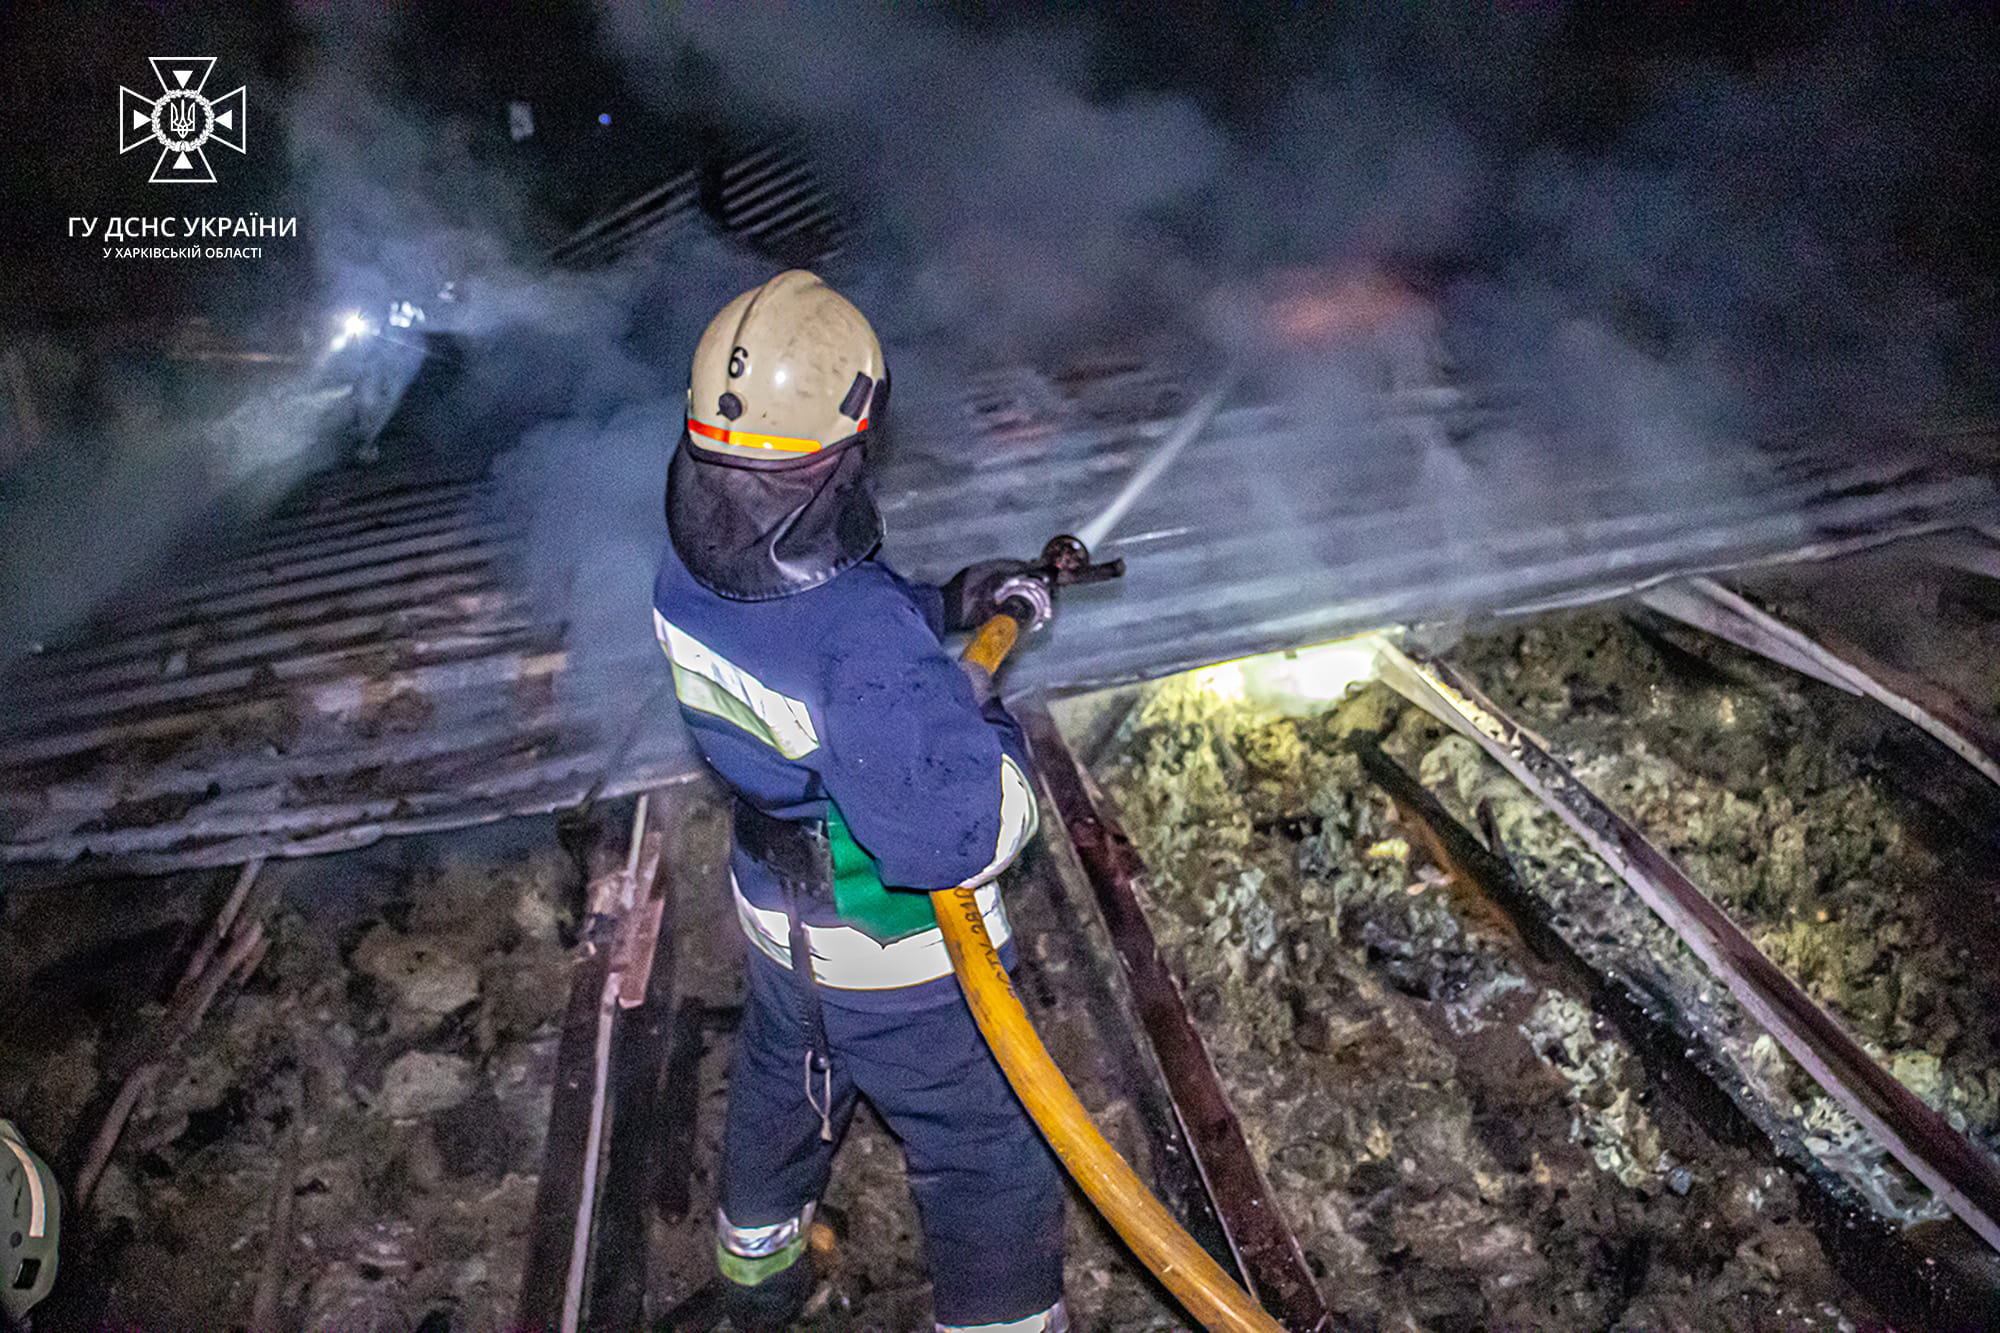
column 970, row 595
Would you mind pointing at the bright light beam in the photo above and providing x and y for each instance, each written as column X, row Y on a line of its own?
column 353, row 326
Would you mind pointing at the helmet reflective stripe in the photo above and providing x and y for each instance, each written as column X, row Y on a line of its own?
column 744, row 439
column 787, row 370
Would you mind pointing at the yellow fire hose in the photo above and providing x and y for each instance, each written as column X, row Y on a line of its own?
column 1196, row 1280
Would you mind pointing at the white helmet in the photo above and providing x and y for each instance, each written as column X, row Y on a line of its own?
column 787, row 371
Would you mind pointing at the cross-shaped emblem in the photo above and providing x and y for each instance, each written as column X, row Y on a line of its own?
column 181, row 120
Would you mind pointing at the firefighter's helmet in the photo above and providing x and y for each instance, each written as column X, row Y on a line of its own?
column 28, row 1231
column 787, row 372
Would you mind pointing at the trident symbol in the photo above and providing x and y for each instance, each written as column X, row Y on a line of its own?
column 182, row 121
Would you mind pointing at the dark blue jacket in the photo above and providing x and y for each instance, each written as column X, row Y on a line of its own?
column 841, row 699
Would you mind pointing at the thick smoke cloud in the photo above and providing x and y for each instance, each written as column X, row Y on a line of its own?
column 147, row 454
column 1706, row 267
column 1370, row 216
column 144, row 454
column 589, row 480
column 1649, row 300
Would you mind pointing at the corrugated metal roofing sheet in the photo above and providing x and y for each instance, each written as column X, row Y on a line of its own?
column 367, row 664
column 363, row 666
column 1262, row 537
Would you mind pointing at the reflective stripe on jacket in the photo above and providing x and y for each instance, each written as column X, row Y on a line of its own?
column 844, row 693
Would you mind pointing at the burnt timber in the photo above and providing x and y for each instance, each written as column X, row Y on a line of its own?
column 1917, row 1136
column 1687, row 1062
column 1262, row 1246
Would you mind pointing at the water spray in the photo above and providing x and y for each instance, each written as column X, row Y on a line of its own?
column 1191, row 424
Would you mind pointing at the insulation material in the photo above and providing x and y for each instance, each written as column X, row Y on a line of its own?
column 1457, row 1142
column 403, row 1034
column 1762, row 790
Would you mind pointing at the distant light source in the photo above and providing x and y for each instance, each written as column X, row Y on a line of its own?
column 352, row 326
column 604, row 118
column 1223, row 680
column 1322, row 672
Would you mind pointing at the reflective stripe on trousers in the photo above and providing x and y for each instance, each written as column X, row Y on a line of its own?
column 988, row 1191
column 1055, row 1319
column 750, row 1255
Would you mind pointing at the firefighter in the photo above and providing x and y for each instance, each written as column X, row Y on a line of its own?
column 30, row 1223
column 867, row 767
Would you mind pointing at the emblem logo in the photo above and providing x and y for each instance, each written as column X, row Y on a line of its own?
column 181, row 120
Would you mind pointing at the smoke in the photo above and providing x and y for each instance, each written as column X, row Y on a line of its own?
column 590, row 480
column 1663, row 264
column 1638, row 271
column 145, row 454
column 148, row 450
column 126, row 473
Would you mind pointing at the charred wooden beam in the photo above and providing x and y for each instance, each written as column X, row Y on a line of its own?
column 1707, row 605
column 1119, row 1042
column 1683, row 1058
column 1918, row 1137
column 643, row 956
column 544, row 1277
column 1264, row 1247
column 565, row 1191
column 229, row 951
column 1491, row 875
column 587, row 1248
column 677, row 1112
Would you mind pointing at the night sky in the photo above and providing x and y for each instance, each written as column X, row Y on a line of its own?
column 1522, row 80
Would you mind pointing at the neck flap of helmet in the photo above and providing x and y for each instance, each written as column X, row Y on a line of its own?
column 756, row 533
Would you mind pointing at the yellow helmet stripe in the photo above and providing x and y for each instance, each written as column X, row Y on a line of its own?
column 744, row 439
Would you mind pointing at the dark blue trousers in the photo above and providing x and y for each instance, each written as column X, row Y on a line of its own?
column 988, row 1190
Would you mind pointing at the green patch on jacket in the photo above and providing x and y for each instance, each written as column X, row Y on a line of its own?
column 883, row 914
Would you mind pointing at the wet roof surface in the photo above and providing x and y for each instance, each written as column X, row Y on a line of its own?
column 366, row 662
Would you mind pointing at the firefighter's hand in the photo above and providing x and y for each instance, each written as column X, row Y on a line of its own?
column 969, row 600
column 981, row 681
